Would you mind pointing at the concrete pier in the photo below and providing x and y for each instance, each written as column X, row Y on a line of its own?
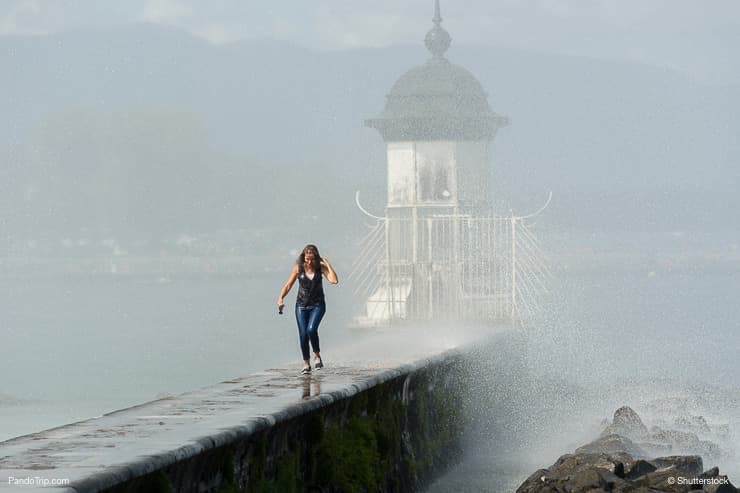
column 271, row 426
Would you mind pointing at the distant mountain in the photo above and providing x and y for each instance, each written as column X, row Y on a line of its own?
column 143, row 130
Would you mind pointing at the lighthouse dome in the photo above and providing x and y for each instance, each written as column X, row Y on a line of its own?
column 437, row 100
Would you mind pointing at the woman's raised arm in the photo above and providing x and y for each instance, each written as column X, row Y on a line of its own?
column 328, row 271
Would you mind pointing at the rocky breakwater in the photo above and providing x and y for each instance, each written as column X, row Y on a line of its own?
column 629, row 457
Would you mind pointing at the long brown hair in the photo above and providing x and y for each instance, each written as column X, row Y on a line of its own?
column 316, row 264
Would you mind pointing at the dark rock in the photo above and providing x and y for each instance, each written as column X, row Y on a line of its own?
column 612, row 444
column 617, row 464
column 627, row 422
column 620, row 473
column 665, row 479
column 687, row 465
column 538, row 482
column 582, row 480
column 588, row 480
column 572, row 463
column 723, row 485
column 637, row 468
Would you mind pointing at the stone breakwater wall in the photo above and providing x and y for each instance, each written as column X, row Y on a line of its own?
column 389, row 433
column 384, row 429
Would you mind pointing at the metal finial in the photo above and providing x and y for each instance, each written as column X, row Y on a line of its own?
column 437, row 18
column 437, row 39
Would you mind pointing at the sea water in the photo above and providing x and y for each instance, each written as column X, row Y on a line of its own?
column 77, row 347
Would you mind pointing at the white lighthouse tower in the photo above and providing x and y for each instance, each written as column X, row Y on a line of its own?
column 440, row 252
column 437, row 126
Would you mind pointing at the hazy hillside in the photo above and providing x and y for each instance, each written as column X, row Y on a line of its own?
column 141, row 131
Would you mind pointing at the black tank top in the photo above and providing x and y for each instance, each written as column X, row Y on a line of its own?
column 310, row 291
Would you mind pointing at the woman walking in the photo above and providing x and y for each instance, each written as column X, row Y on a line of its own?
column 310, row 305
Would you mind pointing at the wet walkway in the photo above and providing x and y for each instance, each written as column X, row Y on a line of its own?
column 98, row 452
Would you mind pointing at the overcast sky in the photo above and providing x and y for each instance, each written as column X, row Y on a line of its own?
column 699, row 37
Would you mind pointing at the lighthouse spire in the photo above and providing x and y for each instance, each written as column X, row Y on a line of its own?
column 437, row 39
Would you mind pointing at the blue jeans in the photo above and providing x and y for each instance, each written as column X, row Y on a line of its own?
column 309, row 318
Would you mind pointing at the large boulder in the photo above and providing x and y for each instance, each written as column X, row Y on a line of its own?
column 571, row 463
column 687, row 465
column 579, row 480
column 626, row 422
column 537, row 482
column 635, row 468
column 590, row 480
column 615, row 463
column 724, row 486
column 662, row 480
column 620, row 473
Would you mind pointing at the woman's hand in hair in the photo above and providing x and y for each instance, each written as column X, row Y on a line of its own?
column 328, row 271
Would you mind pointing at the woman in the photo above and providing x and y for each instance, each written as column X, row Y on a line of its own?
column 309, row 305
